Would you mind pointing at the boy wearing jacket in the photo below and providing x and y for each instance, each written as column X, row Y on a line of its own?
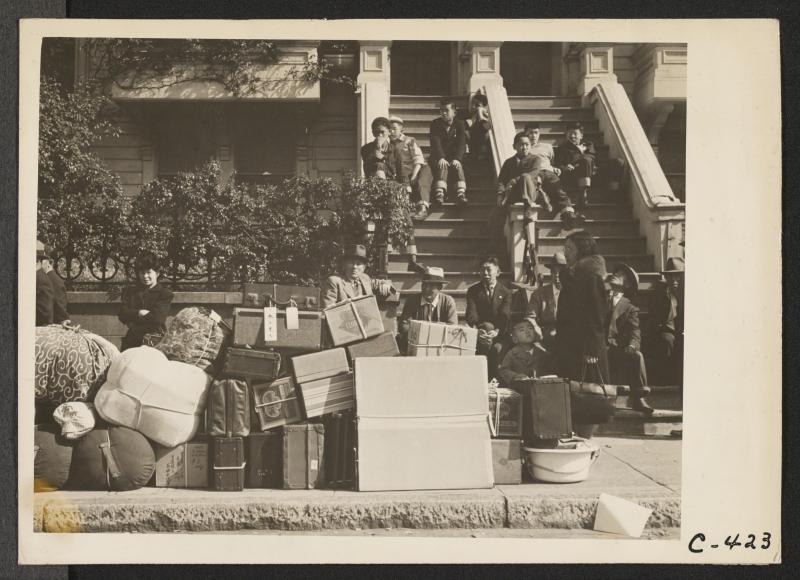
column 448, row 145
column 408, row 164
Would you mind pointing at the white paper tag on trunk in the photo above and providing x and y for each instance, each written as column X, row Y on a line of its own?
column 215, row 317
column 270, row 324
column 314, row 464
column 292, row 318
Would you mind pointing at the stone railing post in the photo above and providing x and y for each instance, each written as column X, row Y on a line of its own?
column 373, row 89
column 515, row 240
column 596, row 65
column 484, row 65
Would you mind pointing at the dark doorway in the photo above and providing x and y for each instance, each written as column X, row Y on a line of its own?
column 421, row 68
column 527, row 67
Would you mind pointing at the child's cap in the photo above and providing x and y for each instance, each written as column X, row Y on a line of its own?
column 396, row 119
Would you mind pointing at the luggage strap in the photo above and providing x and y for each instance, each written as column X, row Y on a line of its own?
column 275, row 402
column 140, row 406
column 112, row 469
column 238, row 467
column 358, row 319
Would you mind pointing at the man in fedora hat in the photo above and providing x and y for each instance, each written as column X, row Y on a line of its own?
column 665, row 323
column 44, row 289
column 543, row 306
column 431, row 305
column 350, row 281
column 624, row 339
column 59, row 290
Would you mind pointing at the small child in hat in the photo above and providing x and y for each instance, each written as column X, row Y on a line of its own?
column 527, row 358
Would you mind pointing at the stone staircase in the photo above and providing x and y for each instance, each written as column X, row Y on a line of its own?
column 453, row 237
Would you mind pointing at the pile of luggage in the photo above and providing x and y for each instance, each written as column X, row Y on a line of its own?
column 289, row 397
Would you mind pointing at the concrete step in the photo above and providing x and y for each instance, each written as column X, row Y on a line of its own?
column 639, row 262
column 475, row 244
column 605, row 244
column 538, row 102
column 662, row 423
column 610, row 211
column 447, row 227
column 451, row 261
column 476, row 210
column 539, row 114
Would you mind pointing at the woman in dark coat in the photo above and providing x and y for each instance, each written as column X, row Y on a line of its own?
column 145, row 306
column 582, row 308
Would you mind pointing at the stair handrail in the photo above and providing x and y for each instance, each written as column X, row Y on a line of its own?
column 660, row 213
column 502, row 134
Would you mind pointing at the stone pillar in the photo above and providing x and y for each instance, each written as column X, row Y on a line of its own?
column 596, row 64
column 373, row 88
column 485, row 65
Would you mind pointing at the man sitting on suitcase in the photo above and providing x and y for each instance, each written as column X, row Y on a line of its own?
column 625, row 360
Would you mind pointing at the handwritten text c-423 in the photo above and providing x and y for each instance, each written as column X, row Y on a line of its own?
column 698, row 544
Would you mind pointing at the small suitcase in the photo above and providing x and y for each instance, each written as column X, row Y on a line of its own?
column 260, row 294
column 340, row 448
column 320, row 365
column 382, row 345
column 276, row 403
column 228, row 463
column 252, row 364
column 249, row 329
column 303, row 456
column 183, row 466
column 263, row 469
column 547, row 409
column 228, row 412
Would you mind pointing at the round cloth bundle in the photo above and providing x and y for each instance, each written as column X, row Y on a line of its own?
column 113, row 458
column 52, row 459
column 76, row 419
column 194, row 336
column 70, row 363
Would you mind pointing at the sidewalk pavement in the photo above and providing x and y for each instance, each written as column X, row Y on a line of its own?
column 646, row 471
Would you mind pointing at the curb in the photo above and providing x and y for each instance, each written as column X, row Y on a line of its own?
column 152, row 510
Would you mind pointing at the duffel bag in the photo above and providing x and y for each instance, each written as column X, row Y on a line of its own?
column 70, row 363
column 51, row 460
column 160, row 398
column 111, row 459
column 194, row 336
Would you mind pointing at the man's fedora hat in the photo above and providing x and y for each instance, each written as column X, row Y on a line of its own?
column 559, row 260
column 356, row 252
column 435, row 275
column 41, row 251
column 674, row 266
column 630, row 279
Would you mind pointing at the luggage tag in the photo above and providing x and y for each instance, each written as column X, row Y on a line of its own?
column 270, row 324
column 292, row 316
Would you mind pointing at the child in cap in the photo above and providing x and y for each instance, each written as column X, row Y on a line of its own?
column 527, row 358
column 407, row 163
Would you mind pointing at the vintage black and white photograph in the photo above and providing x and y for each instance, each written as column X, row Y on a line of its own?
column 374, row 288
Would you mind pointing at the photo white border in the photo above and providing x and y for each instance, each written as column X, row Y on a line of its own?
column 731, row 468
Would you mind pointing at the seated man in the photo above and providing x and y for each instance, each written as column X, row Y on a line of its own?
column 448, row 145
column 489, row 310
column 375, row 154
column 527, row 358
column 625, row 361
column 543, row 305
column 665, row 324
column 350, row 281
column 517, row 181
column 431, row 305
column 407, row 164
column 575, row 158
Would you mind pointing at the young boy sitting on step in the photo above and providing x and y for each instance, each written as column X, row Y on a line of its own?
column 409, row 167
column 448, row 145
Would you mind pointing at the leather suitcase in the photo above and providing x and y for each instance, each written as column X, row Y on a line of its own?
column 260, row 294
column 252, row 364
column 507, row 461
column 228, row 463
column 547, row 408
column 248, row 329
column 276, row 403
column 228, row 412
column 382, row 345
column 263, row 469
column 303, row 456
column 328, row 395
column 320, row 365
column 340, row 450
